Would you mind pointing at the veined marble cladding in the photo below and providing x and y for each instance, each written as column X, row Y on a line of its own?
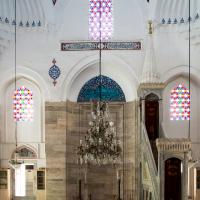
column 55, row 132
column 66, row 124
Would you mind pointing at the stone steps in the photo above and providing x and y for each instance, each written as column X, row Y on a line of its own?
column 25, row 198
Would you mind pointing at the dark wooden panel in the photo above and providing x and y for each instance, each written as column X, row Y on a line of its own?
column 173, row 179
column 152, row 119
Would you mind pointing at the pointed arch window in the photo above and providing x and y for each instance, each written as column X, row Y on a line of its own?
column 100, row 10
column 180, row 103
column 23, row 104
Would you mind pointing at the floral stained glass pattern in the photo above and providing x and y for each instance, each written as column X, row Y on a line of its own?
column 100, row 19
column 23, row 105
column 180, row 103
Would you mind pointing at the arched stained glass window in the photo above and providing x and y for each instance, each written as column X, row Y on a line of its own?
column 100, row 10
column 110, row 90
column 23, row 105
column 180, row 103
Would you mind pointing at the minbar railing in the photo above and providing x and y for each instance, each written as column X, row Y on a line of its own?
column 148, row 154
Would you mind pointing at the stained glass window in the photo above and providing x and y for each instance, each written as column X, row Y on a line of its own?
column 180, row 103
column 110, row 90
column 100, row 11
column 23, row 104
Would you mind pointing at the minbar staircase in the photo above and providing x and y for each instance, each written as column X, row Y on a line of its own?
column 148, row 151
column 154, row 151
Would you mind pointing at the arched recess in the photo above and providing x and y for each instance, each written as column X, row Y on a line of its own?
column 28, row 133
column 180, row 128
column 112, row 67
column 181, row 71
column 109, row 89
column 25, row 152
column 7, row 78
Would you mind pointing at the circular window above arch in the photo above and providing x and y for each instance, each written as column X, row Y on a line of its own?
column 110, row 90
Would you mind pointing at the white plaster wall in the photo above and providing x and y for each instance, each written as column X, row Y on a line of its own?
column 30, row 134
column 27, row 131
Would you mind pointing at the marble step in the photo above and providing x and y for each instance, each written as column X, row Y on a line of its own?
column 25, row 198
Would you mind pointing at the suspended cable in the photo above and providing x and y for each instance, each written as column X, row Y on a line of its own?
column 15, row 66
column 100, row 87
column 189, row 65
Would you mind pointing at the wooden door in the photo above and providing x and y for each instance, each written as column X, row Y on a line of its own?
column 173, row 179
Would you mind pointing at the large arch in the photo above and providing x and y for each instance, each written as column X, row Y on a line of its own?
column 29, row 133
column 178, row 129
column 7, row 77
column 112, row 67
column 181, row 70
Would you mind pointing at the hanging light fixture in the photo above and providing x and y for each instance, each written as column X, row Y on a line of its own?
column 101, row 144
column 14, row 162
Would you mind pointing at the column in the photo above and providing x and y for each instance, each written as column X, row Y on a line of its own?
column 185, row 178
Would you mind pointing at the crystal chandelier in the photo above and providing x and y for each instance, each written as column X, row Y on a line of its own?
column 101, row 144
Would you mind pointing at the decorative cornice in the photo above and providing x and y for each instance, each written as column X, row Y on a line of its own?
column 174, row 144
column 143, row 86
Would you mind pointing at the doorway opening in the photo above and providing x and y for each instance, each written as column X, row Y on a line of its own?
column 152, row 121
column 173, row 179
column 24, row 175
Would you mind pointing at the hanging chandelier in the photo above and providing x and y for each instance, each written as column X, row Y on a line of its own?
column 101, row 144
